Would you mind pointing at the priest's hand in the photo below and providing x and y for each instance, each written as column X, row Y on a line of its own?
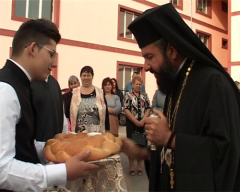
column 157, row 130
column 132, row 150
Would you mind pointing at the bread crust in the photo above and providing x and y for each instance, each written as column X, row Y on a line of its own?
column 63, row 146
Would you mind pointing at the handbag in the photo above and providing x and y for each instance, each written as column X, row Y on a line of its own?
column 139, row 138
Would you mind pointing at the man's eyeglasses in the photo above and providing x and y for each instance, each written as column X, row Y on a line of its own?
column 51, row 52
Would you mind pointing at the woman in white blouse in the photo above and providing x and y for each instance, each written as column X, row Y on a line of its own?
column 136, row 107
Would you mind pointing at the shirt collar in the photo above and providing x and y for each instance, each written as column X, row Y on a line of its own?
column 47, row 79
column 180, row 67
column 24, row 70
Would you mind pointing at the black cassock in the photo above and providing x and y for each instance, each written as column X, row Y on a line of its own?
column 207, row 154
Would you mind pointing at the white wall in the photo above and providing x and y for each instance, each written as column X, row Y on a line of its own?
column 235, row 73
column 5, row 18
column 235, row 5
column 4, row 50
column 235, row 36
column 235, row 40
column 95, row 21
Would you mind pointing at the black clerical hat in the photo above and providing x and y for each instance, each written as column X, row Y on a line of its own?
column 144, row 32
column 165, row 22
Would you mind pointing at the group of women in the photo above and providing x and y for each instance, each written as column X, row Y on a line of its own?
column 89, row 105
column 92, row 105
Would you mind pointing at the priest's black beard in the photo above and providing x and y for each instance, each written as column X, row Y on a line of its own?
column 166, row 76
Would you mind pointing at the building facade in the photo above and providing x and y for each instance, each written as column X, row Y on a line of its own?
column 94, row 32
column 234, row 39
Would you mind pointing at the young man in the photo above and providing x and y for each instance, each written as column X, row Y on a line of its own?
column 198, row 136
column 33, row 57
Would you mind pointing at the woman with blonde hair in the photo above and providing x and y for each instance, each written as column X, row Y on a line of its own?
column 73, row 83
column 136, row 107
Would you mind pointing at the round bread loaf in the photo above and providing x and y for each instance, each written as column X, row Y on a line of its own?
column 63, row 146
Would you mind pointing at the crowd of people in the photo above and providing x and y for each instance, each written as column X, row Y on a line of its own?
column 87, row 105
column 196, row 135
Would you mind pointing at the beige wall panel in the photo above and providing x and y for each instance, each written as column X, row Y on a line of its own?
column 235, row 36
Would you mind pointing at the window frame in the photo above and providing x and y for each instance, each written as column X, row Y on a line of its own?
column 209, row 9
column 10, row 52
column 180, row 4
column 121, row 7
column 55, row 12
column 55, row 69
column 128, row 64
column 226, row 46
column 209, row 38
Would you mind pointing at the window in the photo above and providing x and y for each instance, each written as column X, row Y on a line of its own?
column 205, row 38
column 202, row 6
column 224, row 43
column 175, row 2
column 224, row 6
column 126, row 17
column 33, row 9
column 125, row 74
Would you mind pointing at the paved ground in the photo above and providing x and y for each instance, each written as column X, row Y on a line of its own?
column 134, row 183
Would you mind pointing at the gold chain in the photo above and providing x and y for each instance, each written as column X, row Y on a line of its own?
column 172, row 118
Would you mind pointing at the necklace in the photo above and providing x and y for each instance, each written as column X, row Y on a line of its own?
column 168, row 154
column 172, row 118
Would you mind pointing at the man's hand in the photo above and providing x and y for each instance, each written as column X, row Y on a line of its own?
column 77, row 168
column 157, row 130
column 132, row 150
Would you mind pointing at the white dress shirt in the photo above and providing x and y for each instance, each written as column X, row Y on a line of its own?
column 17, row 175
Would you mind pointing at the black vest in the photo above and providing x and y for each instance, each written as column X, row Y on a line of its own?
column 25, row 132
column 48, row 103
